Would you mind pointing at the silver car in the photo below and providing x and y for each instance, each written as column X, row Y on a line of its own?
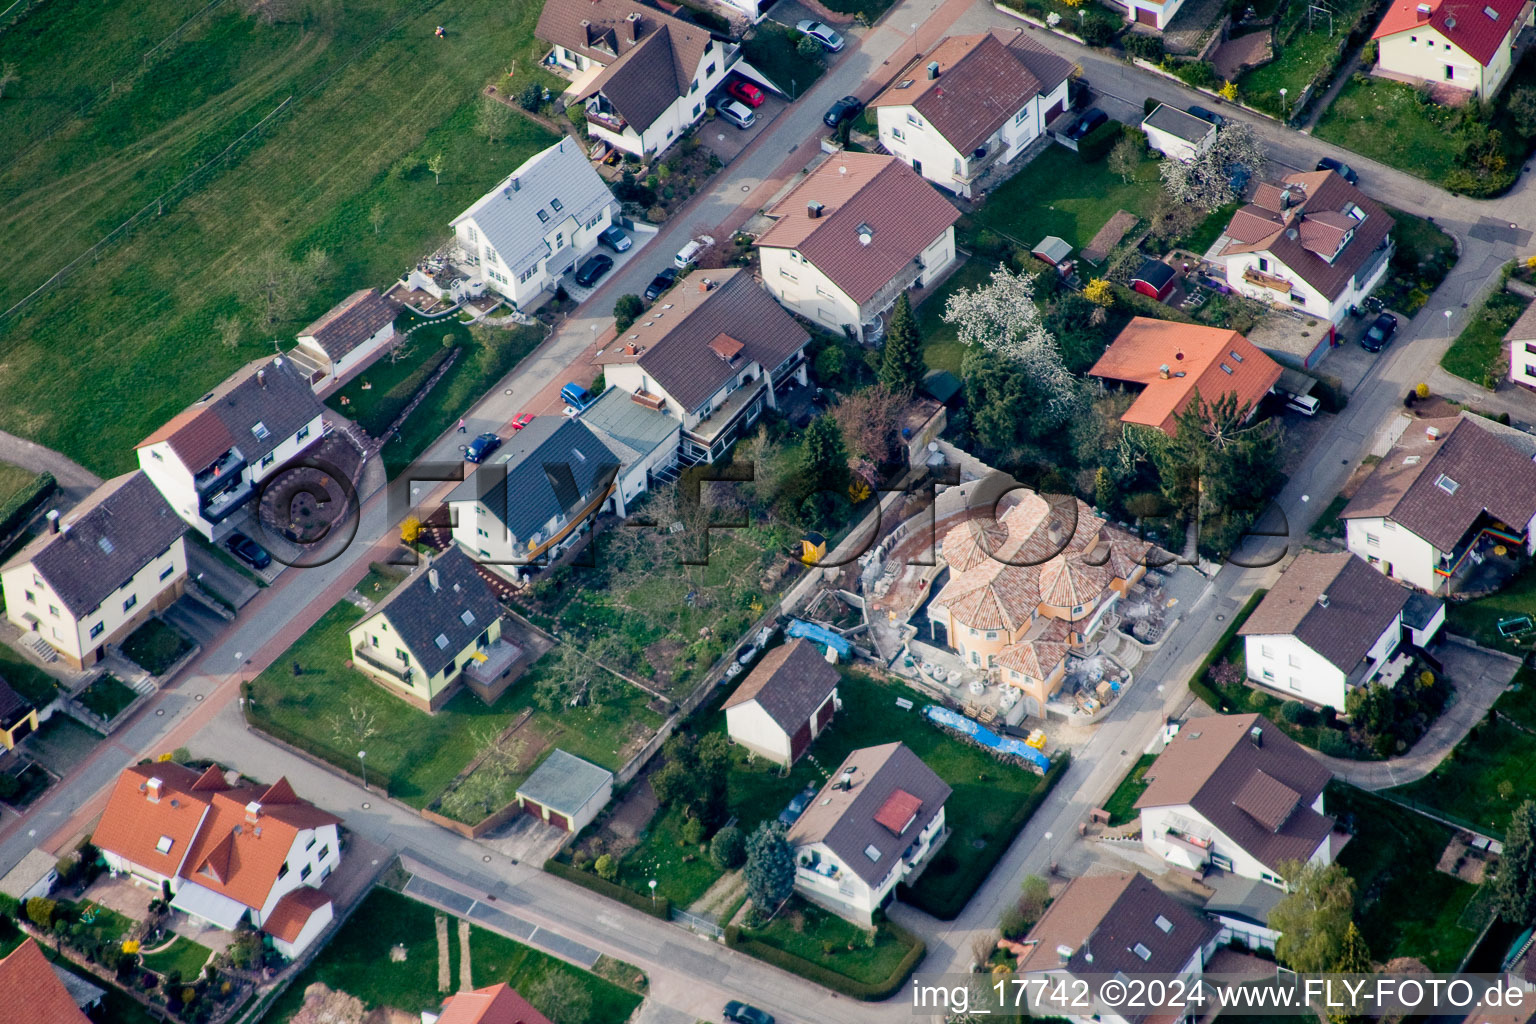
column 823, row 34
column 738, row 113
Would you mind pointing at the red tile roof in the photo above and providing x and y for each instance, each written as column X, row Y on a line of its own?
column 197, row 436
column 1196, row 357
column 496, row 1004
column 898, row 811
column 134, row 823
column 857, row 191
column 32, row 993
column 1478, row 27
column 293, row 911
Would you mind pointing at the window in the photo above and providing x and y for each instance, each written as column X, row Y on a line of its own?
column 1446, row 484
column 1295, row 684
column 268, row 459
column 1264, row 264
column 31, row 597
column 1413, row 39
column 1226, row 369
column 282, row 872
column 959, row 169
column 991, row 634
column 482, row 533
column 697, row 107
column 896, row 133
column 913, row 121
column 373, row 641
column 106, row 545
column 1020, row 116
column 471, row 234
column 403, row 655
column 872, row 853
column 709, row 71
column 1266, row 651
column 1235, row 357
column 554, row 204
column 96, row 629
column 527, row 275
column 166, row 573
column 785, row 273
column 157, row 456
column 975, row 659
column 543, row 217
column 559, row 239
column 1269, row 676
column 165, row 844
column 304, row 874
column 468, row 617
column 133, row 599
column 709, row 46
column 53, row 610
column 325, row 851
column 693, row 88
column 1372, row 539
column 824, row 293
column 302, row 434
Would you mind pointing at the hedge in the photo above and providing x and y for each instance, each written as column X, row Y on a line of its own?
column 24, row 502
column 825, row 976
column 949, row 909
column 1197, row 684
column 660, row 907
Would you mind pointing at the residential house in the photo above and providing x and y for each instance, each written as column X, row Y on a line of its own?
column 1241, row 907
column 656, row 71
column 971, row 103
column 852, row 236
column 1152, row 13
column 1166, row 363
column 18, row 718
column 1104, row 926
column 877, row 822
column 227, row 854
column 1178, row 134
column 494, row 1004
column 1235, row 793
column 210, row 459
column 537, row 224
column 1448, row 492
column 784, row 703
column 34, row 875
column 1313, row 242
column 298, row 919
column 34, row 993
column 1330, row 624
column 98, row 572
column 1467, row 47
column 565, row 791
column 1521, row 339
column 435, row 632
column 714, row 353
column 1028, row 587
column 354, row 333
column 645, row 439
column 538, row 495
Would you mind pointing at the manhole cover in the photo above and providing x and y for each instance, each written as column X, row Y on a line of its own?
column 1221, row 618
column 159, row 711
column 366, row 805
column 508, row 391
column 197, row 697
column 486, row 858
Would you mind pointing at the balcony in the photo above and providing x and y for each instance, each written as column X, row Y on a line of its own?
column 975, row 166
column 398, row 672
column 649, row 400
column 489, row 664
column 217, row 507
column 1263, row 280
column 228, row 465
column 610, row 119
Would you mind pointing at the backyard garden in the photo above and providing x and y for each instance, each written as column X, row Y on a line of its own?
column 107, row 696
column 1477, row 354
column 156, row 646
column 1480, row 619
column 1307, row 52
column 773, row 49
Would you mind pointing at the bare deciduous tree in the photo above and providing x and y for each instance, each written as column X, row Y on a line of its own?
column 867, row 419
column 492, row 119
column 1210, row 180
column 356, row 726
column 1002, row 317
column 376, row 217
column 435, row 165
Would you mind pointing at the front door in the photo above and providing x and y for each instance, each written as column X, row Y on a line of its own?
column 917, row 165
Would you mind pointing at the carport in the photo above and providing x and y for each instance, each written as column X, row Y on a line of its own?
column 747, row 71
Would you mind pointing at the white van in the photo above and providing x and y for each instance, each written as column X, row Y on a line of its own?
column 690, row 252
column 1304, row 404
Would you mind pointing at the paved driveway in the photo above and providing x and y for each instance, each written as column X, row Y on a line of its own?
column 727, row 141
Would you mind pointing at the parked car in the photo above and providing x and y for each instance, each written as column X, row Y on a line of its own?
column 1340, row 168
column 738, row 1012
column 741, row 89
column 1091, row 119
column 688, row 254
column 588, row 273
column 738, row 113
column 796, row 807
column 614, row 238
column 575, row 395
column 660, row 283
column 821, row 33
column 481, row 448
column 1379, row 334
column 845, row 109
column 248, row 551
column 1209, row 115
column 523, row 419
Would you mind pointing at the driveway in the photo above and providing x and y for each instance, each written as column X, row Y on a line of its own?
column 74, row 479
column 641, row 235
column 213, row 573
column 727, row 141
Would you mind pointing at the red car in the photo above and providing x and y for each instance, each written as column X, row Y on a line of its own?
column 748, row 93
column 523, row 419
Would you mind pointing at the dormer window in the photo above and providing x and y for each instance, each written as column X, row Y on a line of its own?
column 554, row 204
column 261, row 431
column 543, row 217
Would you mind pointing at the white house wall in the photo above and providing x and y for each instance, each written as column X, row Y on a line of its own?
column 1395, row 551
column 315, row 853
column 752, row 727
column 1155, row 822
column 1284, row 663
column 524, row 288
column 1425, row 54
column 1522, row 363
column 802, row 288
column 683, row 112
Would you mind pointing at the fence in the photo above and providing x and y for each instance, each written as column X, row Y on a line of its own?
column 1442, row 816
column 693, row 922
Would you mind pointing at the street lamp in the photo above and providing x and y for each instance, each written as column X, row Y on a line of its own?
column 362, row 759
column 1448, row 323
column 1284, row 110
column 652, row 884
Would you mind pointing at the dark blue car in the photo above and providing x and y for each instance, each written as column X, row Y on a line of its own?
column 796, row 807
column 481, row 448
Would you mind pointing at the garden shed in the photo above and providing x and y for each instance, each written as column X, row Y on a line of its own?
column 566, row 791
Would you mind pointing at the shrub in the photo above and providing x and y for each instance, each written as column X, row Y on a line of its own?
column 1292, row 711
column 1013, row 924
column 606, row 867
column 728, row 849
column 24, row 502
column 1098, row 29
column 531, row 98
column 1099, row 292
column 626, row 310
column 1148, row 48
column 42, row 911
column 693, row 831
column 1334, row 743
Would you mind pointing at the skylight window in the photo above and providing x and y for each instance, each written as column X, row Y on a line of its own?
column 442, row 641
column 871, row 852
column 1226, row 369
column 1446, row 484
column 165, row 844
column 1411, row 460
column 261, row 431
column 1235, row 357
column 554, row 204
column 105, row 545
column 1142, row 951
column 543, row 217
column 1491, row 13
column 1165, row 924
column 468, row 618
column 579, row 457
column 905, row 83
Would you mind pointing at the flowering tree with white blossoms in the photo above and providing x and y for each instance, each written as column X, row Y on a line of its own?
column 1206, row 181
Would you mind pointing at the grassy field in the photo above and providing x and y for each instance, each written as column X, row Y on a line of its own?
column 822, row 937
column 183, row 956
column 413, row 754
column 942, row 349
column 1404, row 906
column 1121, row 804
column 351, row 963
column 771, row 49
column 1479, row 619
column 1058, row 194
column 156, row 646
column 374, row 96
column 1477, row 354
column 107, row 697
column 1387, row 121
column 1301, row 59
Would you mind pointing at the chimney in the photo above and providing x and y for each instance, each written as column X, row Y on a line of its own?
column 433, row 581
column 631, row 349
column 586, row 32
column 53, row 521
column 1433, row 433
column 516, row 185
column 632, row 28
column 252, row 813
column 1257, row 735
column 1163, row 371
column 813, row 209
column 1424, row 11
column 261, row 378
column 152, row 790
column 1322, row 600
column 933, row 70
column 1064, row 953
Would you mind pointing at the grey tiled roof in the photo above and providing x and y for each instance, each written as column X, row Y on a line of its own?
column 419, row 612
column 564, row 783
column 103, row 541
column 1362, row 603
column 1179, row 123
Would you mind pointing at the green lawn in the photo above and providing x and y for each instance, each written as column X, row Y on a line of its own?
column 1404, row 906
column 1479, row 619
column 1386, row 121
column 1121, row 804
column 375, row 397
column 1477, row 354
column 107, row 697
column 13, row 479
column 358, row 961
column 373, row 91
column 683, row 873
column 1058, row 194
column 771, row 49
column 942, row 349
column 1424, row 254
column 156, row 646
column 817, row 935
column 1329, row 525
column 26, row 678
column 183, row 956
column 1302, row 58
column 413, row 754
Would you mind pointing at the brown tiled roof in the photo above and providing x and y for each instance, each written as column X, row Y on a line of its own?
column 1267, row 800
column 1211, row 763
column 13, row 706
column 1413, row 486
column 789, row 683
column 31, row 992
column 1362, row 603
column 495, row 1004
column 844, row 819
column 1107, row 922
column 351, row 322
column 674, row 336
column 984, row 80
column 1524, row 327
column 860, row 190
column 293, row 911
column 197, row 436
column 271, row 392
column 1317, row 216
column 117, row 530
